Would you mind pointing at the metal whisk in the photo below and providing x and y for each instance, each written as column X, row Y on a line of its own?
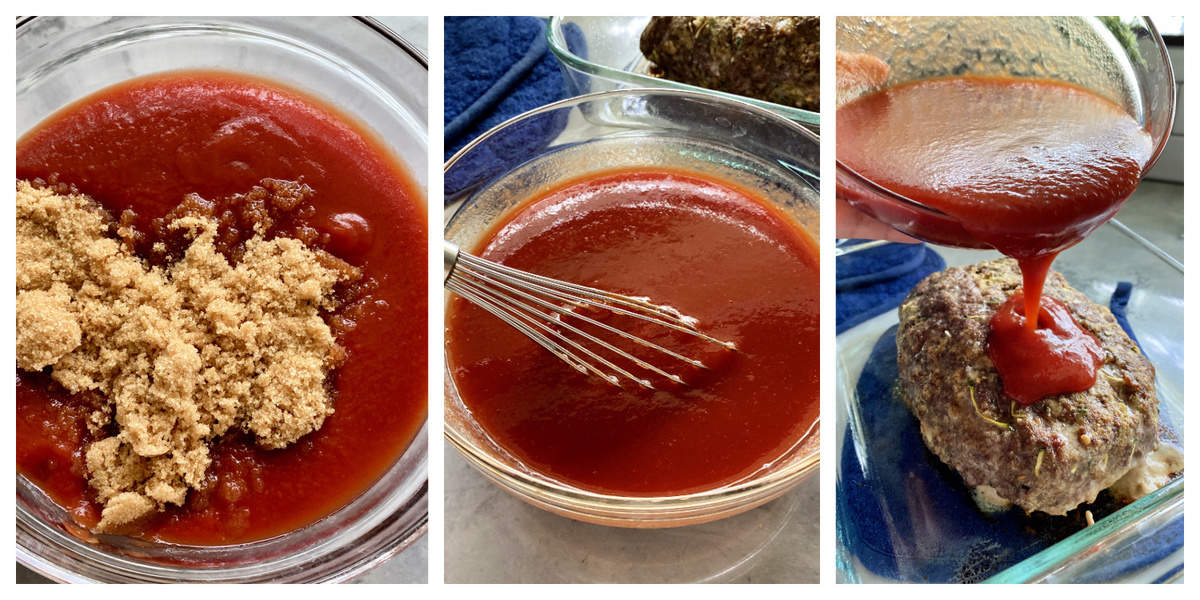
column 536, row 305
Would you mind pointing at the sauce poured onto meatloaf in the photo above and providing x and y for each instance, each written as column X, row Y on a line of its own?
column 1027, row 167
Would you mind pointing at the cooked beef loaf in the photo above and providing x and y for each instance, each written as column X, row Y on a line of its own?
column 770, row 58
column 1050, row 456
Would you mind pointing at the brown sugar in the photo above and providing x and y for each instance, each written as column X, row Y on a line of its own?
column 180, row 350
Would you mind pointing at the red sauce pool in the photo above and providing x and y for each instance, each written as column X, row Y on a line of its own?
column 1026, row 378
column 715, row 252
column 143, row 145
column 1027, row 167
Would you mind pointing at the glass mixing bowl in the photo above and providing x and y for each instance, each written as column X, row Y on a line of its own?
column 727, row 139
column 369, row 74
column 1126, row 63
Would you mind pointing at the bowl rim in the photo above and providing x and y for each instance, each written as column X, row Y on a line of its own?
column 844, row 170
column 698, row 94
column 396, row 39
column 574, row 61
column 568, row 497
column 353, row 563
column 371, row 22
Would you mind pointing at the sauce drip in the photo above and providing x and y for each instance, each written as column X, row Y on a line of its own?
column 1021, row 351
column 1028, row 167
column 711, row 250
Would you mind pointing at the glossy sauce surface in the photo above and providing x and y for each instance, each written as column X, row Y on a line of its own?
column 141, row 146
column 711, row 250
column 1028, row 167
column 1020, row 353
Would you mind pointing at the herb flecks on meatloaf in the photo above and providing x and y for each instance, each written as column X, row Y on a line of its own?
column 776, row 59
column 1051, row 456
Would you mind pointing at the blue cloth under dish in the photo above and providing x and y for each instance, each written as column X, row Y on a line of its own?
column 1119, row 305
column 872, row 282
column 902, row 513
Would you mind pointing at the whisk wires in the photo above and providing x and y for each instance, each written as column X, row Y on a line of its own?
column 538, row 307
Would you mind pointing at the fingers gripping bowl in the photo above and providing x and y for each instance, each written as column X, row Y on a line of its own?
column 658, row 135
column 376, row 83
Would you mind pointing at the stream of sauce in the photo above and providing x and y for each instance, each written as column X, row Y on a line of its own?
column 1029, row 167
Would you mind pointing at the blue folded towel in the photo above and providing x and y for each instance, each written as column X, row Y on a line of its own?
column 496, row 68
column 872, row 282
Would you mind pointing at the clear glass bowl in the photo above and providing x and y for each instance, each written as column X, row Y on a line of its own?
column 1112, row 550
column 602, row 53
column 663, row 128
column 369, row 74
column 1078, row 50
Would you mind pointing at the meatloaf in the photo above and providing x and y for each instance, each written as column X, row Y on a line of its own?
column 1050, row 456
column 776, row 59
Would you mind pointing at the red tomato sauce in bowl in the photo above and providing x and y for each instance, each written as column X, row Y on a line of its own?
column 710, row 249
column 138, row 148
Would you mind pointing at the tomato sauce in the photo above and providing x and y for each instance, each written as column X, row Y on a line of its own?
column 141, row 146
column 1028, row 167
column 711, row 250
column 1056, row 334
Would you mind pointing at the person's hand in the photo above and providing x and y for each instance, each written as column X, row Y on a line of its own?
column 859, row 74
column 853, row 223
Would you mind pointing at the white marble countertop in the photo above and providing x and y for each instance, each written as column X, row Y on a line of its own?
column 492, row 537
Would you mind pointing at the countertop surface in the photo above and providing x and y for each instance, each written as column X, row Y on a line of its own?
column 492, row 537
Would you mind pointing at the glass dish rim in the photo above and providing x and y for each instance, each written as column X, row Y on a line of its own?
column 576, row 498
column 842, row 169
column 35, row 561
column 383, row 514
column 1061, row 553
column 574, row 61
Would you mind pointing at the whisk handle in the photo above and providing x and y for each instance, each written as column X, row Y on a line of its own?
column 449, row 258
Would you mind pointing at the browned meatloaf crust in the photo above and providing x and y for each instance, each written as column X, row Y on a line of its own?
column 1051, row 456
column 776, row 59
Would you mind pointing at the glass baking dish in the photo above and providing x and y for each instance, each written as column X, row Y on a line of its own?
column 1139, row 542
column 602, row 53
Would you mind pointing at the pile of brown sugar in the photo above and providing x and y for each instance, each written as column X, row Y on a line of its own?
column 179, row 353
